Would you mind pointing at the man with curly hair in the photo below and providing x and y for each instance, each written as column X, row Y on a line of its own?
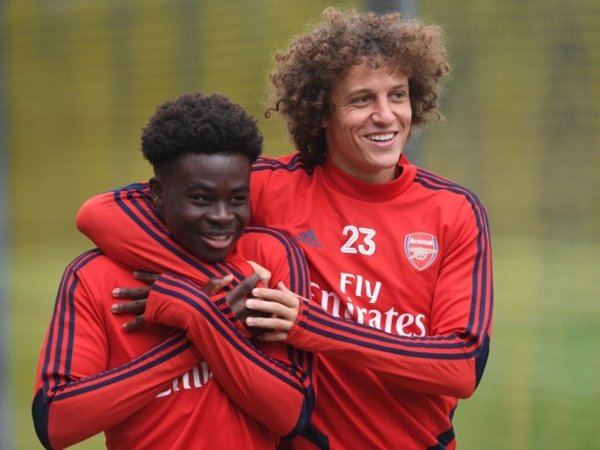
column 400, row 258
column 400, row 312
column 191, row 377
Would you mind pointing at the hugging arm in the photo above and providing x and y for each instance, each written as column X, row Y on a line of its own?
column 137, row 238
column 449, row 360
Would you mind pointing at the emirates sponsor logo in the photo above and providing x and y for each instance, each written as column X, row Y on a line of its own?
column 421, row 249
column 392, row 320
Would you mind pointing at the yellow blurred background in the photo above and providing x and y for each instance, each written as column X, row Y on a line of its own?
column 80, row 78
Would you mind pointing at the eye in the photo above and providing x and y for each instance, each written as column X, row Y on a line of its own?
column 203, row 199
column 361, row 99
column 398, row 96
column 239, row 199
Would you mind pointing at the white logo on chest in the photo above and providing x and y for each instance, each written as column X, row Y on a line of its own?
column 391, row 320
column 192, row 379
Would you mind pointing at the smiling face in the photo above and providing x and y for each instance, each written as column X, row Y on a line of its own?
column 370, row 123
column 204, row 201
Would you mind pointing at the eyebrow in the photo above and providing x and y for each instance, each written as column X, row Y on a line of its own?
column 361, row 91
column 367, row 90
column 206, row 187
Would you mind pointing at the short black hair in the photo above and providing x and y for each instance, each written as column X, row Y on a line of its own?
column 201, row 124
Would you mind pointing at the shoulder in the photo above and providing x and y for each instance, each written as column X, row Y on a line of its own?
column 445, row 190
column 86, row 261
column 453, row 206
column 288, row 163
column 276, row 251
column 88, row 282
column 90, row 278
column 95, row 264
column 274, row 180
column 267, row 240
column 134, row 195
column 94, row 211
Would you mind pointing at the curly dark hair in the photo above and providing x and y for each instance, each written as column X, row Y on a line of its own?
column 196, row 123
column 314, row 62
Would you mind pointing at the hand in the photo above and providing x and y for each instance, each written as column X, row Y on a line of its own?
column 279, row 308
column 215, row 285
column 237, row 298
column 263, row 272
column 139, row 296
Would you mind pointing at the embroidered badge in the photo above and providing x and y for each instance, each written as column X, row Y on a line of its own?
column 421, row 249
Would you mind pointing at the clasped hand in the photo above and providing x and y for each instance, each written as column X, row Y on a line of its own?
column 269, row 313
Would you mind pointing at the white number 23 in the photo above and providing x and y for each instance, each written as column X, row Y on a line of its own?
column 360, row 240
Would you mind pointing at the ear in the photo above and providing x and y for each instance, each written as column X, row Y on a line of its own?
column 156, row 190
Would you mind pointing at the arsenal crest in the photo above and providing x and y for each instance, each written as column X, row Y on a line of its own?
column 421, row 249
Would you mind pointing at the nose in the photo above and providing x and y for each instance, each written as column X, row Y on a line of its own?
column 220, row 212
column 383, row 112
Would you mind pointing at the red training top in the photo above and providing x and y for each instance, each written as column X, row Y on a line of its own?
column 401, row 297
column 401, row 310
column 206, row 387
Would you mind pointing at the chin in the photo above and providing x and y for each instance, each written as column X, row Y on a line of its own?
column 212, row 256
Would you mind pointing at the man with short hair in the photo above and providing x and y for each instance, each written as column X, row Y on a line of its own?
column 192, row 376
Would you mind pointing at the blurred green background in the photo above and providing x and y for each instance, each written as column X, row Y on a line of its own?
column 81, row 78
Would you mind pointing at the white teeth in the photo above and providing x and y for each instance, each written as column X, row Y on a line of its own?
column 381, row 137
column 220, row 237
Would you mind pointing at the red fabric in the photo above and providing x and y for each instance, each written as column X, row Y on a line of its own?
column 400, row 310
column 401, row 304
column 152, row 388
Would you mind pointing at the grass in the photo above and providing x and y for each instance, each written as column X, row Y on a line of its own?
column 540, row 389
